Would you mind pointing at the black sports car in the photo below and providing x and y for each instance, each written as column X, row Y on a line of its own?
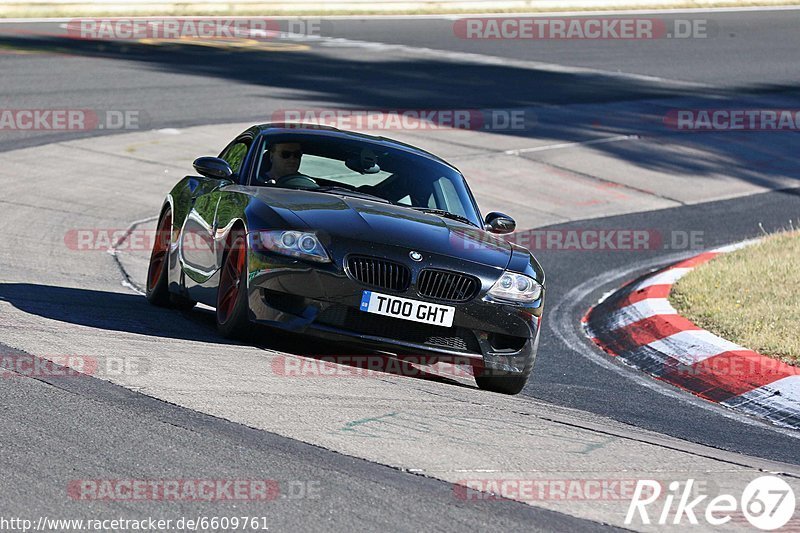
column 354, row 238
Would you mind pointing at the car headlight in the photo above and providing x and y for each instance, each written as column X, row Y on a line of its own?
column 518, row 288
column 301, row 244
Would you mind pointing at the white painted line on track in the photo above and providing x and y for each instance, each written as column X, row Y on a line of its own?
column 735, row 246
column 773, row 401
column 559, row 146
column 127, row 281
column 786, row 389
column 668, row 277
column 692, row 346
column 639, row 311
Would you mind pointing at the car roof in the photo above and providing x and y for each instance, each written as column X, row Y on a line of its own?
column 334, row 133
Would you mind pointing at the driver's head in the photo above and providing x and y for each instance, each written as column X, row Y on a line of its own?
column 285, row 159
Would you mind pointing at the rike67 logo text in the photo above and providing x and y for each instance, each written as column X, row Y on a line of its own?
column 767, row 503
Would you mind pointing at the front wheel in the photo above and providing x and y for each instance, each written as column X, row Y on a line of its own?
column 232, row 309
column 502, row 382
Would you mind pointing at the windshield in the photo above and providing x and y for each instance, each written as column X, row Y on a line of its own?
column 363, row 169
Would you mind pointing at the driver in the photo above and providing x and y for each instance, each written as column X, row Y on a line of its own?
column 284, row 161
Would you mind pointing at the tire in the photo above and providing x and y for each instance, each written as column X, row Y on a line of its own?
column 157, row 291
column 233, row 320
column 502, row 382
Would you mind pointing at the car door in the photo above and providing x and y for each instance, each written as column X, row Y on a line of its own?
column 198, row 236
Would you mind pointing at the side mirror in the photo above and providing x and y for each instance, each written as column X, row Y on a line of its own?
column 499, row 223
column 213, row 167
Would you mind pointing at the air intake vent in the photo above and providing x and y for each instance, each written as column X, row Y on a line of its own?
column 447, row 286
column 379, row 272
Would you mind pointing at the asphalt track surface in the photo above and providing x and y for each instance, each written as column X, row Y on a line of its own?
column 753, row 53
column 740, row 51
column 57, row 423
column 748, row 53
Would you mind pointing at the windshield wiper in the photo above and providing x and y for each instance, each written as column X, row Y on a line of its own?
column 445, row 214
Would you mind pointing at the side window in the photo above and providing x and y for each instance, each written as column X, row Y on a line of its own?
column 234, row 155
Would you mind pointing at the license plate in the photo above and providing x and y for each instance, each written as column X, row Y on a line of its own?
column 414, row 310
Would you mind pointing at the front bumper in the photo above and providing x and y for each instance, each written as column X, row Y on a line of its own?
column 321, row 300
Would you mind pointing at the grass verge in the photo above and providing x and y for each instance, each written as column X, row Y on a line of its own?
column 750, row 296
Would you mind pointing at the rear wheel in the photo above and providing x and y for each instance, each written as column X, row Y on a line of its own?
column 233, row 319
column 157, row 291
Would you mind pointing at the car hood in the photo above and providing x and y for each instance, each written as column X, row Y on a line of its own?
column 352, row 218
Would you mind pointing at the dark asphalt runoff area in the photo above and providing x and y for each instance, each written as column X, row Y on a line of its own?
column 52, row 427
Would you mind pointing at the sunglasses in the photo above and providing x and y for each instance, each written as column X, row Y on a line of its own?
column 286, row 154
